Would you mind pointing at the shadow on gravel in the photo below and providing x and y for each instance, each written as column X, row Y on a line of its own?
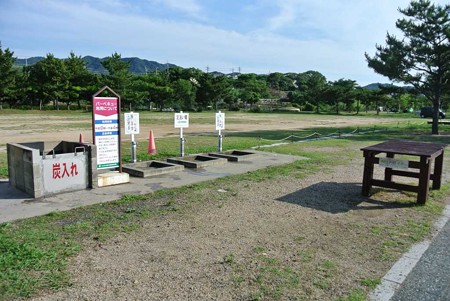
column 338, row 198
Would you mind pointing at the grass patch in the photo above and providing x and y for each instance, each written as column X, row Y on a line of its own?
column 169, row 147
column 33, row 259
column 398, row 238
column 354, row 295
column 34, row 252
column 228, row 259
column 273, row 278
column 306, row 255
column 3, row 165
column 324, row 275
column 371, row 283
column 260, row 249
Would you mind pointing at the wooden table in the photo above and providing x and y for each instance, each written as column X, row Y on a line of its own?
column 426, row 152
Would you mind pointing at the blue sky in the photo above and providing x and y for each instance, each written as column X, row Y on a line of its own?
column 260, row 36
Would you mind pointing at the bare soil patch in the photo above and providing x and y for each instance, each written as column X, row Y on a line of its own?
column 279, row 239
column 53, row 128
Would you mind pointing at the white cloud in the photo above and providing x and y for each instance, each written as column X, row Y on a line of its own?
column 334, row 35
column 285, row 16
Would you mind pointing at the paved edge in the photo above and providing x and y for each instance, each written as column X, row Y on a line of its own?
column 391, row 282
column 15, row 205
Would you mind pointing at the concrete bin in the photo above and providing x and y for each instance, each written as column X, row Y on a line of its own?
column 69, row 166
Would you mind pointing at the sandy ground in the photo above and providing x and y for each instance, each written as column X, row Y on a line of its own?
column 53, row 129
column 237, row 242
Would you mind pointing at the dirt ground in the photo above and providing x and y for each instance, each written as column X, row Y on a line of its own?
column 55, row 128
column 277, row 239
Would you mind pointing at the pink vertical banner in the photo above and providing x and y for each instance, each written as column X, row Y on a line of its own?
column 106, row 131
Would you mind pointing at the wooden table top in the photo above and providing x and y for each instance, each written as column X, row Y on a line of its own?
column 403, row 147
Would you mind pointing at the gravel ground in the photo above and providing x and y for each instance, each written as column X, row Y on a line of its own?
column 283, row 238
column 52, row 129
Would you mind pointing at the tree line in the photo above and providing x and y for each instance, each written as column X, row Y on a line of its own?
column 68, row 82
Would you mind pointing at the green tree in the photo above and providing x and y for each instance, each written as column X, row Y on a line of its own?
column 211, row 89
column 81, row 83
column 119, row 77
column 279, row 82
column 311, row 85
column 406, row 101
column 138, row 92
column 340, row 92
column 364, row 97
column 7, row 75
column 23, row 91
column 394, row 94
column 159, row 90
column 251, row 88
column 422, row 57
column 184, row 92
column 232, row 98
column 297, row 98
column 48, row 80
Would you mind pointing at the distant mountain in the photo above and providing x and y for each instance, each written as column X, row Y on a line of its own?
column 373, row 86
column 377, row 86
column 140, row 66
column 233, row 75
column 216, row 73
column 29, row 61
column 93, row 64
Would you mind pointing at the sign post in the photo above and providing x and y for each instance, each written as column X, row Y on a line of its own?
column 181, row 121
column 220, row 125
column 106, row 129
column 131, row 128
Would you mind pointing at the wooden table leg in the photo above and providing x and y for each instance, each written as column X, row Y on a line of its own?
column 368, row 173
column 437, row 173
column 387, row 170
column 424, row 180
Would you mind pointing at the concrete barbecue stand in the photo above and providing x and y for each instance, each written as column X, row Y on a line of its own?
column 69, row 166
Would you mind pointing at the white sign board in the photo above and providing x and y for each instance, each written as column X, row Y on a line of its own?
column 181, row 120
column 220, row 121
column 394, row 163
column 131, row 123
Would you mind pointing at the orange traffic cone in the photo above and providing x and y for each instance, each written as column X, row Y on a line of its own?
column 81, row 138
column 151, row 144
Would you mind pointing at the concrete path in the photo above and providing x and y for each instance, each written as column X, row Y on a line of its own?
column 15, row 204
